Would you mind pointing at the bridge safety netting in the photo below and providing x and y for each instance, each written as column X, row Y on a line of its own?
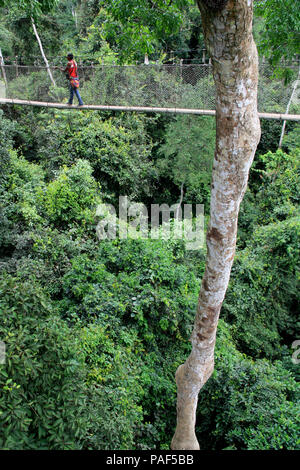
column 180, row 86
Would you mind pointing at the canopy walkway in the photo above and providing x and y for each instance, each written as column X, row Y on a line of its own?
column 184, row 89
column 140, row 109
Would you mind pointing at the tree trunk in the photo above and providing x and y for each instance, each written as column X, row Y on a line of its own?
column 42, row 52
column 3, row 68
column 296, row 84
column 74, row 14
column 180, row 201
column 228, row 35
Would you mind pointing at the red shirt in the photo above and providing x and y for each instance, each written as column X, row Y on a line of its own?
column 72, row 68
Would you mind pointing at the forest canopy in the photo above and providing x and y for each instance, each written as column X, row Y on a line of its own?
column 94, row 330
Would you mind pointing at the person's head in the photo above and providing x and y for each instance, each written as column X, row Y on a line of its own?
column 70, row 56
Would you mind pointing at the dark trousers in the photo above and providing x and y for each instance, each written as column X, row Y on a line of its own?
column 76, row 91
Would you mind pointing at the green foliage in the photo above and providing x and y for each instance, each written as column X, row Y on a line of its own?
column 72, row 197
column 278, row 195
column 292, row 139
column 95, row 46
column 7, row 131
column 270, row 136
column 279, row 39
column 116, row 148
column 6, row 39
column 19, row 201
column 273, row 191
column 33, row 8
column 42, row 399
column 63, row 388
column 246, row 404
column 130, row 282
column 122, row 310
column 138, row 27
column 28, row 87
column 187, row 156
column 95, row 330
column 256, row 303
column 24, row 184
column 112, row 366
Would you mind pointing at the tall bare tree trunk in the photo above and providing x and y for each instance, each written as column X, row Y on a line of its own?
column 74, row 14
column 228, row 35
column 42, row 52
column 296, row 84
column 3, row 67
column 180, row 202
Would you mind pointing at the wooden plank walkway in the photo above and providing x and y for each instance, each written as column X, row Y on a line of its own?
column 140, row 109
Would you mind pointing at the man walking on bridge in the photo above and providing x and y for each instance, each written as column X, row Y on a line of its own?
column 71, row 70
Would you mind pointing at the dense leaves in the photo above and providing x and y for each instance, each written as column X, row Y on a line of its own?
column 95, row 329
column 280, row 37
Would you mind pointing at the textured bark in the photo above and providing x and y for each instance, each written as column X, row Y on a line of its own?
column 228, row 34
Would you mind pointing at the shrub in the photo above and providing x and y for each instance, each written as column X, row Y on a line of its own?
column 19, row 201
column 72, row 197
column 117, row 148
column 42, row 401
column 136, row 282
column 247, row 404
column 62, row 387
column 256, row 304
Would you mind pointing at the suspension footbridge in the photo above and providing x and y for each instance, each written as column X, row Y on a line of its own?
column 178, row 89
column 139, row 109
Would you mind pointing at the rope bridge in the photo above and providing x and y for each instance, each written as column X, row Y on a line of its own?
column 172, row 88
